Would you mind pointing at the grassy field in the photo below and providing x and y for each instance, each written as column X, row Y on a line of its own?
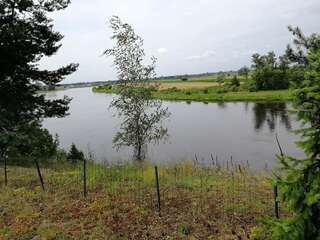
column 197, row 202
column 206, row 89
column 186, row 85
column 208, row 94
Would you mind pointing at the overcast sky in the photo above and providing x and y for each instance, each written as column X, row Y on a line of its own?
column 186, row 36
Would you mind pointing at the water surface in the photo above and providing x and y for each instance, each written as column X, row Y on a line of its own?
column 245, row 131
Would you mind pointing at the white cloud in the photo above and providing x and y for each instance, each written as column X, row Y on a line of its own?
column 206, row 54
column 232, row 28
column 162, row 50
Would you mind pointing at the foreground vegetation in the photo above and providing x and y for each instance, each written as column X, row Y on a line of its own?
column 197, row 202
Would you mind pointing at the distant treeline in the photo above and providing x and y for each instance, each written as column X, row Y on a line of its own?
column 111, row 82
column 174, row 77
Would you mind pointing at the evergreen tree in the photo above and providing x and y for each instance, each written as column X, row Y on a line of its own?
column 299, row 180
column 74, row 154
column 27, row 35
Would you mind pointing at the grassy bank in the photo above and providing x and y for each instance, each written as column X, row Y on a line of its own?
column 210, row 94
column 197, row 202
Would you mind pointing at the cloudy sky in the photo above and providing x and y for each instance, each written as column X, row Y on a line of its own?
column 186, row 36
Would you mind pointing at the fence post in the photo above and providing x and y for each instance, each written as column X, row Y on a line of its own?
column 276, row 203
column 39, row 174
column 158, row 188
column 85, row 177
column 5, row 171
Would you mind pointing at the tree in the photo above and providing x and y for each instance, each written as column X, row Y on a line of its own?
column 27, row 35
column 269, row 73
column 299, row 182
column 221, row 78
column 297, row 54
column 74, row 154
column 33, row 142
column 244, row 71
column 141, row 115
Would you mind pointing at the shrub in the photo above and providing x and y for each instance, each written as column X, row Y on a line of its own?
column 235, row 82
column 184, row 229
column 174, row 89
column 205, row 91
column 188, row 93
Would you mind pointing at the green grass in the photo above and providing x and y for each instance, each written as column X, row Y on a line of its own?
column 212, row 94
column 206, row 202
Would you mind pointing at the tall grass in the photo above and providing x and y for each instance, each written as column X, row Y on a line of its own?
column 200, row 196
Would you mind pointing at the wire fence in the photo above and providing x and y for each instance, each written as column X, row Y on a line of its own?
column 231, row 192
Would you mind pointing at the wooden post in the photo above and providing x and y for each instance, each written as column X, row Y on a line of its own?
column 85, row 177
column 212, row 159
column 276, row 203
column 39, row 174
column 5, row 171
column 158, row 189
column 195, row 156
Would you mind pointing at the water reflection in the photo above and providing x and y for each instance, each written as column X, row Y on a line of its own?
column 269, row 114
column 242, row 130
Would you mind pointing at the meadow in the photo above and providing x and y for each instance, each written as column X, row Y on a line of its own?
column 196, row 201
column 207, row 89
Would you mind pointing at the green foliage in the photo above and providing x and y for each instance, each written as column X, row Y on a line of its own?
column 299, row 182
column 215, row 94
column 221, row 78
column 235, row 81
column 244, row 71
column 141, row 114
column 184, row 229
column 269, row 73
column 26, row 35
column 298, row 54
column 75, row 155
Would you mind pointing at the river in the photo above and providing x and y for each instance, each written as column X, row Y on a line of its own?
column 245, row 131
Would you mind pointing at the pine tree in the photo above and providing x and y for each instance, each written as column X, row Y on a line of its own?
column 299, row 179
column 26, row 35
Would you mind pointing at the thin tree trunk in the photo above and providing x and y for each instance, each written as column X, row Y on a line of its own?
column 139, row 152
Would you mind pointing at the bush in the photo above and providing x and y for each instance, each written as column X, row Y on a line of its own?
column 184, row 229
column 174, row 89
column 235, row 82
column 222, row 90
column 188, row 93
column 205, row 91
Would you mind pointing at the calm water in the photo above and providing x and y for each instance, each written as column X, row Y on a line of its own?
column 245, row 131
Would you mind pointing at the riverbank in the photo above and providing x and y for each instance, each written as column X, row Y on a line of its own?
column 197, row 202
column 211, row 94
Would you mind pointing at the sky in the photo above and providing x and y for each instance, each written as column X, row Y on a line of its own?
column 186, row 36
